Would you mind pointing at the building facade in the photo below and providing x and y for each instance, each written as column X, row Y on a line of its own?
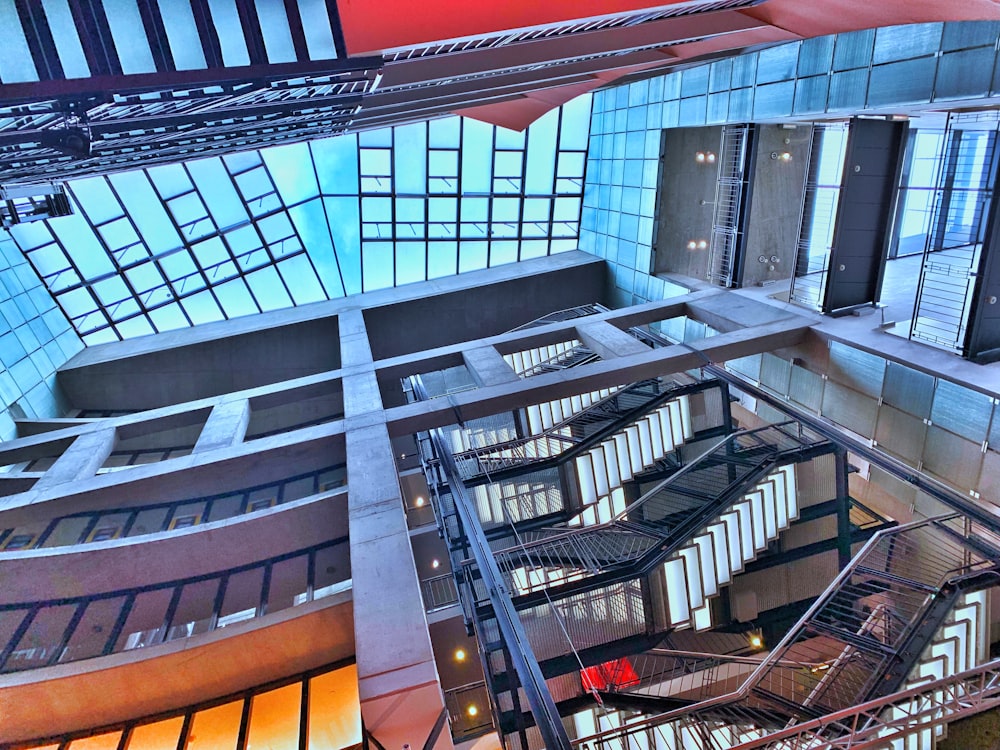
column 669, row 491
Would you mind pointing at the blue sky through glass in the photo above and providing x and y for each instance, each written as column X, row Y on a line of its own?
column 174, row 246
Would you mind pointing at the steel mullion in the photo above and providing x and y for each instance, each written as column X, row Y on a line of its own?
column 186, row 247
column 143, row 308
column 321, row 197
column 38, row 36
column 215, row 234
column 266, row 245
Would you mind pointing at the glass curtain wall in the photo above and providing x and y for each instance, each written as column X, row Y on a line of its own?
column 819, row 214
column 173, row 246
column 957, row 227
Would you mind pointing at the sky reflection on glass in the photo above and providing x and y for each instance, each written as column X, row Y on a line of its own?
column 174, row 246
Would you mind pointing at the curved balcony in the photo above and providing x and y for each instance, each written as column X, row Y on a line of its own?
column 36, row 634
column 107, row 524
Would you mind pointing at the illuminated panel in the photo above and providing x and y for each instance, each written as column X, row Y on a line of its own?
column 162, row 735
column 334, row 713
column 274, row 718
column 216, row 728
column 375, row 25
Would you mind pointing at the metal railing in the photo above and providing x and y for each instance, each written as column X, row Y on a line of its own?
column 559, row 316
column 495, row 41
column 856, row 643
column 729, row 189
column 44, row 633
column 651, row 528
column 117, row 523
column 439, row 592
column 469, row 709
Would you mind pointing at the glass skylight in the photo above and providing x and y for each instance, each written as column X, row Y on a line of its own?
column 173, row 246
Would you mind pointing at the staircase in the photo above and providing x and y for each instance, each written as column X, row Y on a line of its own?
column 913, row 603
column 578, row 465
column 702, row 524
column 552, row 358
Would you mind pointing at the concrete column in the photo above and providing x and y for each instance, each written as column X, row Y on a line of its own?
column 400, row 690
column 226, row 426
column 81, row 459
column 608, row 341
column 488, row 367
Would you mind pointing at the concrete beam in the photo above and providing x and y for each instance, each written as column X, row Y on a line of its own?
column 226, row 426
column 406, row 420
column 488, row 367
column 80, row 460
column 607, row 341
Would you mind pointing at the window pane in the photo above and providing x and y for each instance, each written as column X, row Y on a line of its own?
column 274, row 718
column 145, row 620
column 334, row 710
column 242, row 597
column 95, row 627
column 288, row 583
column 163, row 735
column 194, row 611
column 216, row 728
column 39, row 643
column 100, row 742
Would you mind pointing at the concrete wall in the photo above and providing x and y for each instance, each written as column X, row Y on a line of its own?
column 776, row 203
column 686, row 201
column 200, row 369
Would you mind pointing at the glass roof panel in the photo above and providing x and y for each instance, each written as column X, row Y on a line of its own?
column 172, row 246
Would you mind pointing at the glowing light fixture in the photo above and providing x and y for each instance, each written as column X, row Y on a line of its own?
column 472, row 710
column 419, row 502
column 699, row 157
column 435, row 563
column 756, row 640
column 702, row 244
column 459, row 654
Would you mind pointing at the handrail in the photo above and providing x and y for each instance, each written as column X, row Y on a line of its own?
column 871, row 709
column 110, row 632
column 509, row 624
column 743, row 691
column 269, row 491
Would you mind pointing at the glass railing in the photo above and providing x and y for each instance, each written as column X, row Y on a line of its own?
column 43, row 633
column 104, row 525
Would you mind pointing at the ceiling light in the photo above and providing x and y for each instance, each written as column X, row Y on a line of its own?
column 699, row 156
column 459, row 654
column 435, row 563
column 702, row 244
column 692, row 245
column 472, row 710
column 419, row 502
column 710, row 158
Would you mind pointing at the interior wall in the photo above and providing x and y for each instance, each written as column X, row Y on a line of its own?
column 686, row 201
column 776, row 203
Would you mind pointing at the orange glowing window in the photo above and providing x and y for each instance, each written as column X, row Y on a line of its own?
column 216, row 728
column 274, row 718
column 334, row 710
column 162, row 735
column 100, row 742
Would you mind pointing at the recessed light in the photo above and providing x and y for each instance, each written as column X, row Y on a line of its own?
column 435, row 564
column 472, row 710
column 419, row 502
column 459, row 654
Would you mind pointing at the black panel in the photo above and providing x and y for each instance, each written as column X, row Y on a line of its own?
column 860, row 239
